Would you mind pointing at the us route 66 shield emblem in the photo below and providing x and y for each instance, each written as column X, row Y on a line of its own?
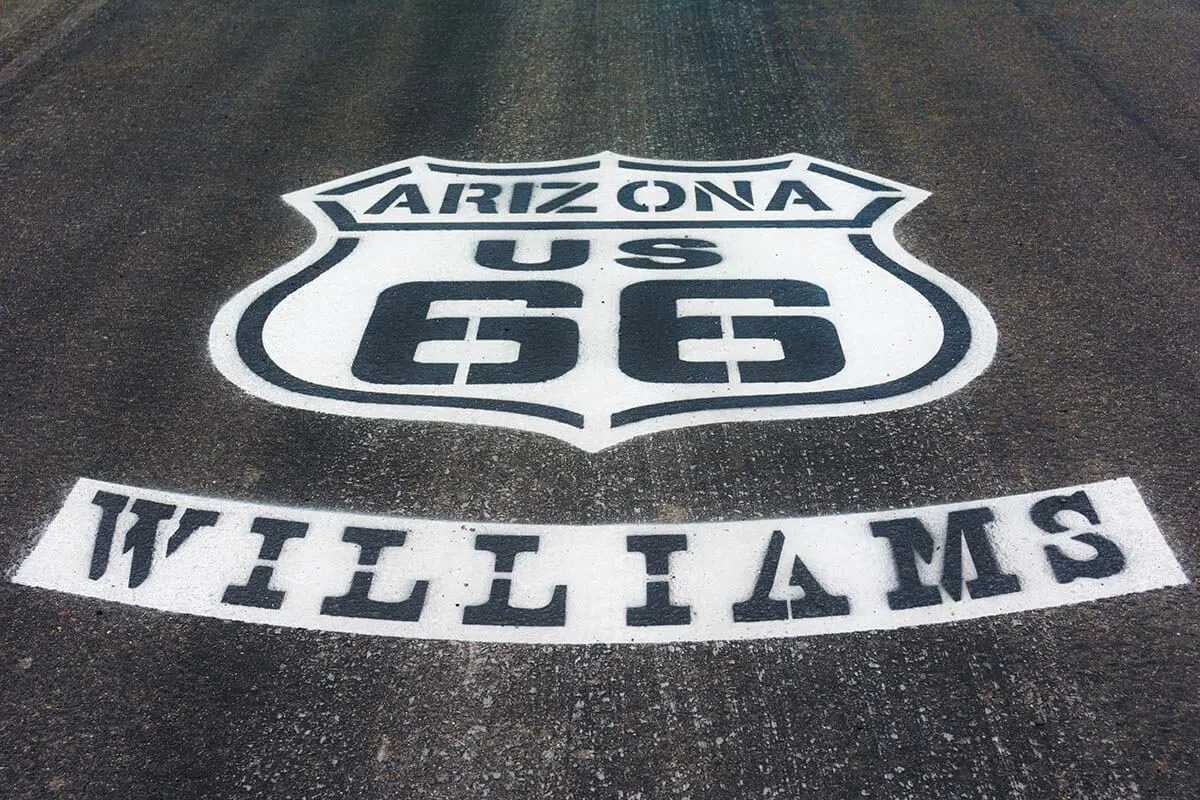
column 604, row 298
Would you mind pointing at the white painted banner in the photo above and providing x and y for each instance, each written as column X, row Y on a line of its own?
column 496, row 582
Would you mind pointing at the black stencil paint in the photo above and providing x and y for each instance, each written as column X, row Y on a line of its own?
column 257, row 591
column 910, row 539
column 658, row 610
column 498, row 610
column 501, row 254
column 669, row 253
column 142, row 536
column 651, row 331
column 549, row 346
column 816, row 601
column 356, row 602
column 1108, row 559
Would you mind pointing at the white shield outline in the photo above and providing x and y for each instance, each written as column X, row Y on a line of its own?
column 968, row 344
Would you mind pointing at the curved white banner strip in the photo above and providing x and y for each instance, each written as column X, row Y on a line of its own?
column 432, row 579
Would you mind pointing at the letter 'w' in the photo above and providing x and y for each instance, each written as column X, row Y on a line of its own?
column 141, row 537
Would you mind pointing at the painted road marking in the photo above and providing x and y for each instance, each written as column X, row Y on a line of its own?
column 604, row 298
column 434, row 579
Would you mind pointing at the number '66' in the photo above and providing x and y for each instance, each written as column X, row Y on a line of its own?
column 677, row 330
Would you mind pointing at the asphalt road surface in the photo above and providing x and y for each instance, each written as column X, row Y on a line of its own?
column 143, row 150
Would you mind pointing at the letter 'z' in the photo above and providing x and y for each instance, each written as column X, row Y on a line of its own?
column 604, row 298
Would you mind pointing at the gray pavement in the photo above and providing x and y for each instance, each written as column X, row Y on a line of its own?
column 143, row 150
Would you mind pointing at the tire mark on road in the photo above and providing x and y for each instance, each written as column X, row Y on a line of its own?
column 33, row 36
column 1113, row 94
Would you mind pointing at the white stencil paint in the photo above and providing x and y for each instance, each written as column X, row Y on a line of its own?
column 776, row 290
column 1102, row 529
